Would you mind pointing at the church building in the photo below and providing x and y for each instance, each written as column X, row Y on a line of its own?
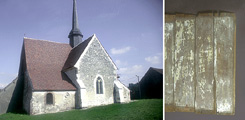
column 59, row 76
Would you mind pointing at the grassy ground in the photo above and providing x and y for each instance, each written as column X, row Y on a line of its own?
column 151, row 109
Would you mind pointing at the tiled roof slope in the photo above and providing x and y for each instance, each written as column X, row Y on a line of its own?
column 76, row 53
column 44, row 62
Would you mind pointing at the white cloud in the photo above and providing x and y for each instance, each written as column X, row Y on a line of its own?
column 120, row 51
column 136, row 69
column 120, row 63
column 128, row 74
column 123, row 71
column 153, row 59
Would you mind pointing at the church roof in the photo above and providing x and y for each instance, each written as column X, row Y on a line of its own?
column 76, row 53
column 44, row 63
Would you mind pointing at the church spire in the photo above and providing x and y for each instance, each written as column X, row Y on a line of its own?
column 75, row 34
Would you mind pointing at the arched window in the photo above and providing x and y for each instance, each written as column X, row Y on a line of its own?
column 99, row 86
column 49, row 98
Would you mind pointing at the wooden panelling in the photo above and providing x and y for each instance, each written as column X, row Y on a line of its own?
column 200, row 63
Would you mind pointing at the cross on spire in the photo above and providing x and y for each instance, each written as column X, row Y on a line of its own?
column 75, row 34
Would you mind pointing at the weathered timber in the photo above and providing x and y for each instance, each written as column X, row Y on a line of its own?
column 224, row 63
column 200, row 60
column 169, row 60
column 184, row 90
column 204, row 102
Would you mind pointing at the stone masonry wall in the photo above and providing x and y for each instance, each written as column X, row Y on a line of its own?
column 96, row 63
column 62, row 101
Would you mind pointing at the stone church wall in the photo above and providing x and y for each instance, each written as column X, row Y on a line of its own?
column 96, row 63
column 121, row 93
column 62, row 101
column 126, row 95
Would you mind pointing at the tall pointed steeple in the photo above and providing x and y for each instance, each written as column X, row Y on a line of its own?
column 75, row 34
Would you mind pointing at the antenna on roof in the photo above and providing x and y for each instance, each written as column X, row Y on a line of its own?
column 24, row 35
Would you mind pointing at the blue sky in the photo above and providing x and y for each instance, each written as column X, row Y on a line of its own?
column 131, row 31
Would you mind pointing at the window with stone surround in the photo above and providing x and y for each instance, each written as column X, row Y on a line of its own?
column 49, row 98
column 99, row 86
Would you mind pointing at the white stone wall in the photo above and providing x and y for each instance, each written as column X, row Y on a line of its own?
column 126, row 95
column 96, row 62
column 62, row 101
column 122, row 93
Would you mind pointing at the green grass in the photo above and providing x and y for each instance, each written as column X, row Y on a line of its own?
column 150, row 109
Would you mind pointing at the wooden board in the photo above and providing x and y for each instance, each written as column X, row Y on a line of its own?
column 184, row 90
column 204, row 102
column 169, row 60
column 224, row 63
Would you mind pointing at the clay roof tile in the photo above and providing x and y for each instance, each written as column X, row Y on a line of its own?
column 44, row 62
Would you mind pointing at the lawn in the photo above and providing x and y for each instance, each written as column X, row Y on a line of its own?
column 150, row 109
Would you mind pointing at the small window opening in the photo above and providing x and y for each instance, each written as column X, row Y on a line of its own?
column 49, row 98
column 99, row 86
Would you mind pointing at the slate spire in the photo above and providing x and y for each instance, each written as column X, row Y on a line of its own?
column 75, row 34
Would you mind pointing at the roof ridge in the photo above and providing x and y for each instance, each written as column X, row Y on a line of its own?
column 157, row 69
column 26, row 38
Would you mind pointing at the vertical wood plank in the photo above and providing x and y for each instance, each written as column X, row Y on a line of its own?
column 224, row 32
column 184, row 90
column 169, row 60
column 204, row 102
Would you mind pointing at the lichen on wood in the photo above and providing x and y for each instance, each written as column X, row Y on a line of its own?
column 224, row 32
column 200, row 63
column 169, row 59
column 204, row 102
column 184, row 63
